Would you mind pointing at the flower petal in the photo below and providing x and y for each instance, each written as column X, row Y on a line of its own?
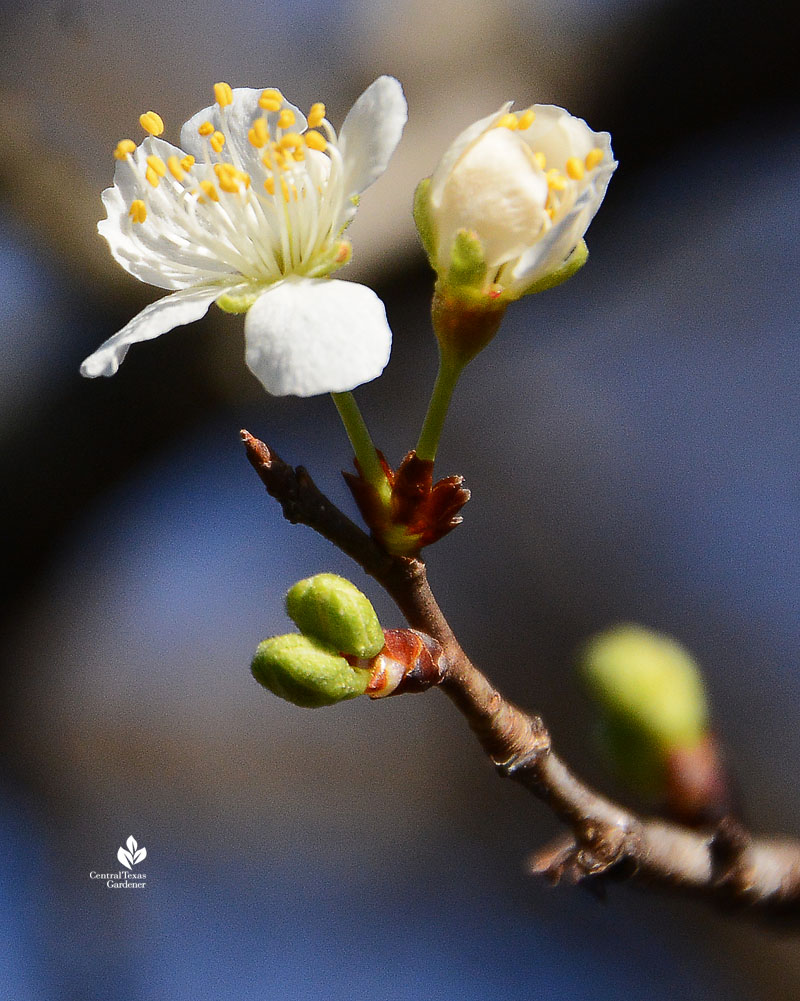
column 456, row 148
column 234, row 122
column 307, row 336
column 371, row 132
column 173, row 310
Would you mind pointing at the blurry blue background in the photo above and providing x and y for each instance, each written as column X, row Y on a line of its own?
column 630, row 439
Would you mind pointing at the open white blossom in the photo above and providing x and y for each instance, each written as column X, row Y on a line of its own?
column 512, row 198
column 250, row 213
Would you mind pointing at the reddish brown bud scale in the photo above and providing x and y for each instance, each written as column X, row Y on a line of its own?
column 419, row 512
column 409, row 662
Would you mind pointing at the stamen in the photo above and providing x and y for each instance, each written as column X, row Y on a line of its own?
column 138, row 210
column 540, row 159
column 258, row 133
column 124, row 147
column 229, row 178
column 290, row 140
column 269, row 184
column 556, row 180
column 210, row 190
column 526, row 119
column 316, row 114
column 575, row 168
column 507, row 121
column 223, row 94
column 271, row 99
column 151, row 176
column 206, row 129
column 593, row 158
column 152, row 123
column 284, row 189
column 158, row 165
column 286, row 118
column 315, row 140
column 175, row 168
column 299, row 155
column 217, row 142
column 187, row 162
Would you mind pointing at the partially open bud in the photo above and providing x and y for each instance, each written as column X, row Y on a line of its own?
column 652, row 702
column 505, row 211
column 336, row 613
column 306, row 672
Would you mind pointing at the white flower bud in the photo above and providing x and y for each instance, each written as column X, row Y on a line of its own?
column 525, row 188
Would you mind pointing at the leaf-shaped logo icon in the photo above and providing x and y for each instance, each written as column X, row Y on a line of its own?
column 131, row 856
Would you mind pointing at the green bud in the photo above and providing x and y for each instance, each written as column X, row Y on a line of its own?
column 423, row 219
column 305, row 672
column 467, row 261
column 335, row 612
column 651, row 696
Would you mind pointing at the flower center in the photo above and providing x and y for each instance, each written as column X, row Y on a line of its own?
column 266, row 205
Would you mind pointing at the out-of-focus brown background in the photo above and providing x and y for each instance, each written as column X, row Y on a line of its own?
column 630, row 439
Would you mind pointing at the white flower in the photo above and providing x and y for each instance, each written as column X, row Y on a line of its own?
column 250, row 213
column 512, row 197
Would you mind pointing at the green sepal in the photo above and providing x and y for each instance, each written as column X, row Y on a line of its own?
column 573, row 263
column 424, row 220
column 647, row 685
column 467, row 268
column 305, row 672
column 336, row 613
column 239, row 302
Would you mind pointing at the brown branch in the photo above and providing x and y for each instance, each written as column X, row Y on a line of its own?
column 725, row 864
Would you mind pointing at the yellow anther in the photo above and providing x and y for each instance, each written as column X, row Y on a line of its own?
column 138, row 211
column 526, row 119
column 285, row 189
column 593, row 158
column 187, row 162
column 315, row 140
column 541, row 159
column 269, row 184
column 290, row 140
column 286, row 119
column 556, row 180
column 175, row 168
column 152, row 123
column 223, row 94
column 158, row 165
column 271, row 99
column 299, row 155
column 507, row 121
column 258, row 133
column 230, row 178
column 575, row 168
column 206, row 129
column 210, row 190
column 316, row 115
column 551, row 212
column 217, row 142
column 152, row 177
column 124, row 147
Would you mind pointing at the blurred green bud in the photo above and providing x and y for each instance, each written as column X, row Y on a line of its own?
column 467, row 261
column 306, row 672
column 336, row 613
column 423, row 220
column 652, row 700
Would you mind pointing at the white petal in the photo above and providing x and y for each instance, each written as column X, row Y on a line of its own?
column 173, row 310
column 371, row 132
column 456, row 148
column 234, row 122
column 307, row 336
